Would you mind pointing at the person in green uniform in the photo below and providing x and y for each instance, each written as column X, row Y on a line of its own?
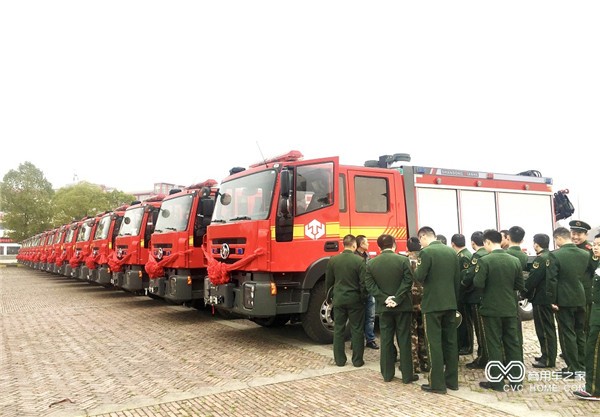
column 438, row 270
column 419, row 342
column 564, row 287
column 543, row 316
column 515, row 237
column 473, row 300
column 389, row 279
column 465, row 329
column 362, row 250
column 579, row 233
column 592, row 349
column 499, row 275
column 345, row 277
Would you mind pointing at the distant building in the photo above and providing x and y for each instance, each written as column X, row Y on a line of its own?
column 159, row 188
column 3, row 232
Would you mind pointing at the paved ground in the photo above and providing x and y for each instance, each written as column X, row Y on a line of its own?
column 69, row 348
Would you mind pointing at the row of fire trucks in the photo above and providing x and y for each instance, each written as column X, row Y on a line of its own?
column 256, row 245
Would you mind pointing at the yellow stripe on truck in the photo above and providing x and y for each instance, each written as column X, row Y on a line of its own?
column 333, row 231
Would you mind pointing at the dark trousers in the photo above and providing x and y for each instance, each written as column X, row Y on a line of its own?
column 354, row 315
column 588, row 312
column 465, row 330
column 572, row 339
column 503, row 345
column 592, row 361
column 398, row 324
column 440, row 330
column 545, row 329
column 477, row 320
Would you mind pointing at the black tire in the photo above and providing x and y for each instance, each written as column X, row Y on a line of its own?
column 525, row 310
column 275, row 321
column 318, row 319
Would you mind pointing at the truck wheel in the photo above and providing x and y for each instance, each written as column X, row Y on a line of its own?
column 525, row 310
column 275, row 321
column 318, row 319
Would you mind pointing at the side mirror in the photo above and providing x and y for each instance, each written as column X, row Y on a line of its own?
column 283, row 207
column 286, row 179
column 225, row 199
column 207, row 206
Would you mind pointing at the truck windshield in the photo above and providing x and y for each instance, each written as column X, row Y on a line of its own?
column 132, row 221
column 174, row 214
column 84, row 233
column 69, row 237
column 250, row 198
column 102, row 228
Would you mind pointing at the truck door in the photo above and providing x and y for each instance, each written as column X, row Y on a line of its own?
column 373, row 205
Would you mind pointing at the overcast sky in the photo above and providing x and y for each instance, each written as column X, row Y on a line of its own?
column 129, row 93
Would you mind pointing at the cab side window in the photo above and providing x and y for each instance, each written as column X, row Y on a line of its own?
column 371, row 195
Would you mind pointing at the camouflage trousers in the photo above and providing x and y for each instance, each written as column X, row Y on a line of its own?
column 418, row 343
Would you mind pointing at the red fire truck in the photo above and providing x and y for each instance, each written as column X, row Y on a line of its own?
column 176, row 266
column 68, row 247
column 95, row 267
column 55, row 248
column 276, row 224
column 82, row 247
column 132, row 245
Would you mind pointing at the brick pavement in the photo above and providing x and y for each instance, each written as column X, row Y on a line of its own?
column 69, row 348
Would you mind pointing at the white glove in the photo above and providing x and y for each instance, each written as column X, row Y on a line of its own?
column 390, row 303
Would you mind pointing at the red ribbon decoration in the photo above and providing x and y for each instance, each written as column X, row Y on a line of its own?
column 155, row 269
column 218, row 272
column 115, row 264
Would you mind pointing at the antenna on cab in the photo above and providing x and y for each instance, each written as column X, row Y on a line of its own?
column 261, row 153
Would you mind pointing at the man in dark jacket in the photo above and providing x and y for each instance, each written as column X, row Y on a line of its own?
column 389, row 280
column 592, row 358
column 543, row 316
column 345, row 278
column 472, row 296
column 439, row 272
column 566, row 272
column 499, row 275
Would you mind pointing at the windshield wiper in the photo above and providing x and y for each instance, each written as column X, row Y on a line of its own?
column 218, row 221
column 240, row 218
column 171, row 228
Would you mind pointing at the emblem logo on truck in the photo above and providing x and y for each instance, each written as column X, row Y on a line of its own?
column 225, row 251
column 314, row 230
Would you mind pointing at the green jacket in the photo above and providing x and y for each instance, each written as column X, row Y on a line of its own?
column 472, row 293
column 595, row 312
column 438, row 270
column 389, row 274
column 464, row 261
column 589, row 272
column 520, row 255
column 535, row 284
column 346, row 274
column 500, row 275
column 565, row 276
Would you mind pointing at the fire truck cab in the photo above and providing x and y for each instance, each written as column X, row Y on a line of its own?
column 276, row 224
column 176, row 265
column 132, row 245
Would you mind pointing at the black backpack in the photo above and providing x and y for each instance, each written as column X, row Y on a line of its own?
column 563, row 208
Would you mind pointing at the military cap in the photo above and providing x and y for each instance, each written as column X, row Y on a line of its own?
column 579, row 226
